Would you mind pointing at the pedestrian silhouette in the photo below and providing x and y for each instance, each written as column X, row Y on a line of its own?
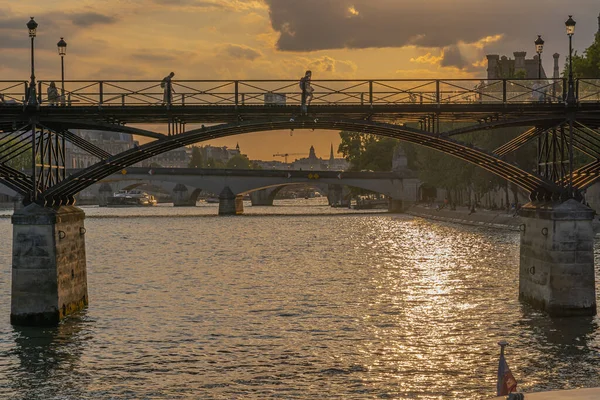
column 307, row 89
column 52, row 94
column 167, row 87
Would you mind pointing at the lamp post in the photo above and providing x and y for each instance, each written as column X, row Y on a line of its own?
column 31, row 96
column 539, row 47
column 62, row 52
column 570, row 24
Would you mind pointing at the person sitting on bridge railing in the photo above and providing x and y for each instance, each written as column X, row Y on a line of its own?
column 307, row 90
column 168, row 89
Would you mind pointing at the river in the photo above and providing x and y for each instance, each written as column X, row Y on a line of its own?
column 296, row 301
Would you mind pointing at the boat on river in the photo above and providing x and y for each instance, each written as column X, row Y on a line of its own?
column 131, row 198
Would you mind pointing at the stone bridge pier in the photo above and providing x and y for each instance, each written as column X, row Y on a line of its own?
column 182, row 197
column 105, row 191
column 557, row 258
column 49, row 276
column 338, row 196
column 230, row 203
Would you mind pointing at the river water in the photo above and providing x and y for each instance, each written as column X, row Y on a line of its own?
column 283, row 304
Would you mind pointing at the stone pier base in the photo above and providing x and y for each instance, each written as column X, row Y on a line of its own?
column 395, row 206
column 182, row 197
column 229, row 203
column 49, row 277
column 557, row 258
column 104, row 193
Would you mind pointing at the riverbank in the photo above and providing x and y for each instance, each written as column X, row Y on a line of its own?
column 462, row 215
column 481, row 217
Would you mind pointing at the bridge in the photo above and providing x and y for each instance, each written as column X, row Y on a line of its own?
column 562, row 116
column 263, row 185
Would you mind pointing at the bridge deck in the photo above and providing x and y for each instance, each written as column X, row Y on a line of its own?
column 144, row 114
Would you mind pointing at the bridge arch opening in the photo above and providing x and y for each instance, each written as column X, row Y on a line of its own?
column 479, row 157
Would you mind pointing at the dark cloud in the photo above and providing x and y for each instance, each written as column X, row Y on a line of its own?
column 240, row 52
column 453, row 58
column 307, row 25
column 91, row 18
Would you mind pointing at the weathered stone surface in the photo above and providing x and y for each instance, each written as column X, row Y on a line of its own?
column 182, row 197
column 230, row 203
column 49, row 277
column 104, row 193
column 395, row 206
column 557, row 258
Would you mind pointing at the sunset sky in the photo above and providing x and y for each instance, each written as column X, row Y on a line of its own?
column 270, row 39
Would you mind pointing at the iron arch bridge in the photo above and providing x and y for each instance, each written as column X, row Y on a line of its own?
column 383, row 107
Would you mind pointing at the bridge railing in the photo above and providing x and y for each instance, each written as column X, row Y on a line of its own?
column 588, row 90
column 288, row 92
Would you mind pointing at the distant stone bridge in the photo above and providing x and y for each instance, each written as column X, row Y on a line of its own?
column 263, row 185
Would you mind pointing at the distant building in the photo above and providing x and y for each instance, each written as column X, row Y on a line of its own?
column 176, row 158
column 112, row 142
column 337, row 164
column 312, row 162
column 271, row 164
column 217, row 154
column 519, row 67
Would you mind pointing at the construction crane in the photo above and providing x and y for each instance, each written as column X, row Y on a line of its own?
column 285, row 155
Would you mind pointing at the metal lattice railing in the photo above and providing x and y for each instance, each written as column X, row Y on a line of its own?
column 288, row 92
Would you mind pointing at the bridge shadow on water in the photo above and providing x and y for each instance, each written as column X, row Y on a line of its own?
column 46, row 360
column 571, row 347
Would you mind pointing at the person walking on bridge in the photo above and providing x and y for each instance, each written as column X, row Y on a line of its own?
column 307, row 89
column 167, row 87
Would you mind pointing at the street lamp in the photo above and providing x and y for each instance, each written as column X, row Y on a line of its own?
column 32, row 99
column 62, row 52
column 539, row 47
column 570, row 24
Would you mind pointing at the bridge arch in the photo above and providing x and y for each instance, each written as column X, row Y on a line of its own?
column 494, row 164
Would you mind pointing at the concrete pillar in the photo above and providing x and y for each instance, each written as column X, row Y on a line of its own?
column 105, row 191
column 181, row 197
column 261, row 197
column 17, row 203
column 49, row 277
column 334, row 195
column 557, row 258
column 230, row 203
column 395, row 206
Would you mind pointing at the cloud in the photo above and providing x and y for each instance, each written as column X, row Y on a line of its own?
column 453, row 58
column 91, row 18
column 239, row 52
column 231, row 5
column 328, row 64
column 312, row 25
column 428, row 59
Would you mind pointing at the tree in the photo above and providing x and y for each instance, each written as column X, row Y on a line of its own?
column 366, row 151
column 211, row 163
column 239, row 161
column 196, row 161
column 20, row 160
column 586, row 65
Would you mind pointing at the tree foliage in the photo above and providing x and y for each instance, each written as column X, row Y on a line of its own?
column 239, row 161
column 196, row 161
column 10, row 148
column 586, row 65
column 366, row 151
